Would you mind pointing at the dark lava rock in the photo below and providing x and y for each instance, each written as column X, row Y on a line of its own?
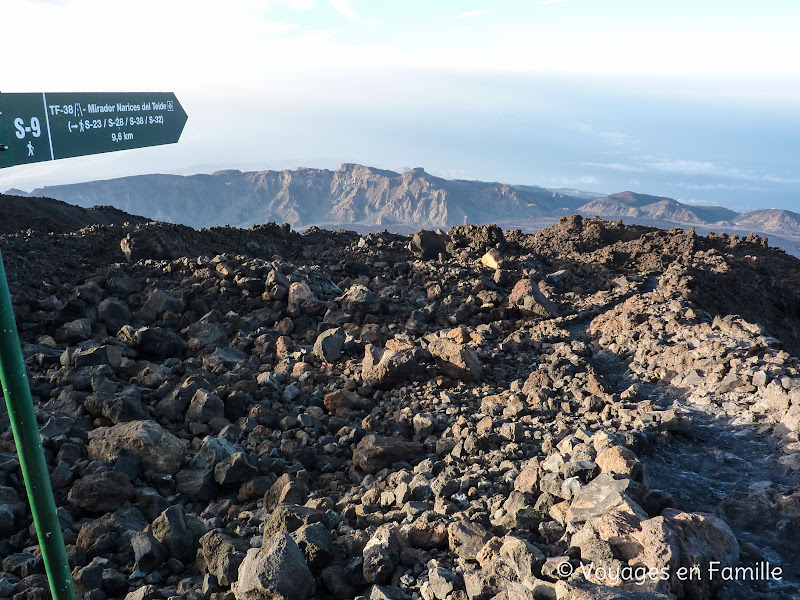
column 276, row 570
column 101, row 492
column 429, row 244
column 374, row 453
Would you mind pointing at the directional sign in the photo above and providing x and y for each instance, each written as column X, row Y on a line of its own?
column 37, row 127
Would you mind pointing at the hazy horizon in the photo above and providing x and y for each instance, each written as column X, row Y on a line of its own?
column 696, row 103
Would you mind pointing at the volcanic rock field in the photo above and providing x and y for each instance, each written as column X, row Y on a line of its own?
column 594, row 411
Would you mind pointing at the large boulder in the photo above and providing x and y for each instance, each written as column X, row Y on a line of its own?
column 212, row 451
column 374, row 453
column 276, row 571
column 149, row 241
column 288, row 489
column 171, row 529
column 620, row 461
column 300, row 291
column 173, row 405
column 457, row 361
column 329, row 343
column 467, row 538
column 381, row 555
column 492, row 259
column 148, row 552
column 236, row 468
column 384, row 368
column 427, row 531
column 159, row 302
column 429, row 245
column 601, row 495
column 359, row 299
column 154, row 342
column 316, row 542
column 288, row 518
column 530, row 300
column 114, row 313
column 221, row 554
column 790, row 422
column 74, row 331
column 203, row 333
column 673, row 543
column 479, row 238
column 101, row 492
column 204, row 407
column 153, row 445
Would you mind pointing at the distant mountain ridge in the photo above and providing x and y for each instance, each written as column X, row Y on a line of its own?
column 771, row 219
column 630, row 204
column 352, row 194
column 360, row 195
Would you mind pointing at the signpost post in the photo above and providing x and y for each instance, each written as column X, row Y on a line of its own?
column 35, row 128
column 39, row 127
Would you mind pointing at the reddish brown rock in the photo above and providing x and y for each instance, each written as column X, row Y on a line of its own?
column 618, row 460
column 527, row 296
column 467, row 538
column 385, row 368
column 456, row 360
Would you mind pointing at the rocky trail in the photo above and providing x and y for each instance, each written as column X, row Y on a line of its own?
column 712, row 470
column 594, row 411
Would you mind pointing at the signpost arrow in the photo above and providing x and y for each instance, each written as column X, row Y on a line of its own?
column 38, row 127
column 33, row 128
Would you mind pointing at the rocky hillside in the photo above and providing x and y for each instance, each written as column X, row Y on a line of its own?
column 771, row 220
column 630, row 204
column 595, row 411
column 348, row 195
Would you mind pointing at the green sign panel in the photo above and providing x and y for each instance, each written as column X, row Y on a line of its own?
column 37, row 127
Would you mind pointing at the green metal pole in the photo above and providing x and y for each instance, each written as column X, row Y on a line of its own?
column 29, row 448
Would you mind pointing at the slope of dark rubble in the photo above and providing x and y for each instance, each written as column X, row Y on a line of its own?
column 593, row 411
column 46, row 215
column 725, row 274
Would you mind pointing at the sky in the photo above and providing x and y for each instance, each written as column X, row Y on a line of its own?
column 692, row 99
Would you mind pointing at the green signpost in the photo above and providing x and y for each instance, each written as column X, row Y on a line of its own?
column 34, row 128
column 39, row 127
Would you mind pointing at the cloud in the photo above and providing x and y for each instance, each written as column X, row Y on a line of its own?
column 614, row 167
column 581, row 127
column 689, row 168
column 471, row 14
column 694, row 167
column 701, row 168
column 696, row 202
column 716, row 186
column 773, row 179
column 348, row 12
column 572, row 181
column 614, row 137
